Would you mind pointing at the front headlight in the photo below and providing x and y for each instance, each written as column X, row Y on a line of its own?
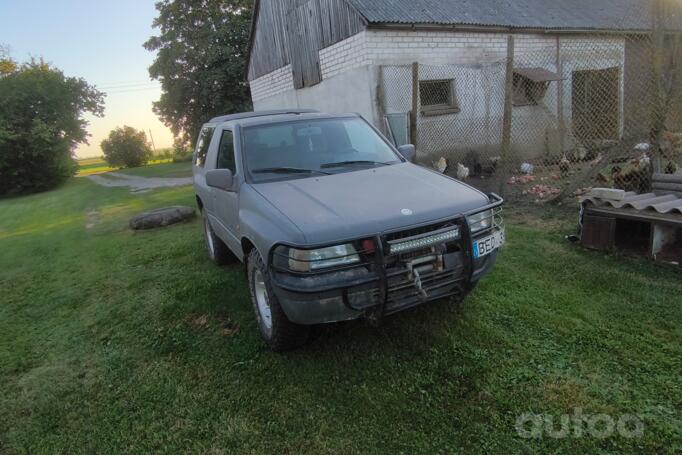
column 312, row 260
column 480, row 221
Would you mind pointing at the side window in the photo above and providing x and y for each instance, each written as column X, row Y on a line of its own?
column 226, row 152
column 202, row 146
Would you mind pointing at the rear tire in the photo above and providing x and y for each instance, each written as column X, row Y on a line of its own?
column 218, row 252
column 278, row 332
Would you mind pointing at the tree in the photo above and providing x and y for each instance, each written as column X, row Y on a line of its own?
column 200, row 62
column 126, row 147
column 41, row 123
column 7, row 65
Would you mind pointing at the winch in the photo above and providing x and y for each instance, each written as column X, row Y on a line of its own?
column 425, row 264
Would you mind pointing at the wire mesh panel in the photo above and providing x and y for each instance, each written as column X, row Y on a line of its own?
column 460, row 114
column 583, row 112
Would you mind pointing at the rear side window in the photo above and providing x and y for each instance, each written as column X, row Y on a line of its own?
column 202, row 146
column 226, row 152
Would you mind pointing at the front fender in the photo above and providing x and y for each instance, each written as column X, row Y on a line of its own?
column 263, row 224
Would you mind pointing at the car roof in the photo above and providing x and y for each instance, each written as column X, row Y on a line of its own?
column 270, row 117
column 245, row 115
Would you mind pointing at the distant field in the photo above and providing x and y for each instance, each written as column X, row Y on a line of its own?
column 90, row 166
column 172, row 170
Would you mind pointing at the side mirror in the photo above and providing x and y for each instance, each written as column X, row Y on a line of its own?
column 220, row 178
column 408, row 152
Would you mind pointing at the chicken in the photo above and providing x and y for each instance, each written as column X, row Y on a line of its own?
column 462, row 171
column 564, row 166
column 441, row 165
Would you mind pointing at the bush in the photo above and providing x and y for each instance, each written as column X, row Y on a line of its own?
column 126, row 147
column 181, row 153
column 40, row 125
column 165, row 154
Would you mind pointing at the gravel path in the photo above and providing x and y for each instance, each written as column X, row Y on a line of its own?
column 137, row 184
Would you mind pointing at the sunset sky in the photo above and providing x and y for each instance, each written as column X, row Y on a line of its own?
column 100, row 42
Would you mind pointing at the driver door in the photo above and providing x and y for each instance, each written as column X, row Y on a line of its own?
column 226, row 203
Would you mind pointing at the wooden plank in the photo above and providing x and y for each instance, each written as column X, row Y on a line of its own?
column 598, row 233
column 507, row 115
column 294, row 31
column 560, row 97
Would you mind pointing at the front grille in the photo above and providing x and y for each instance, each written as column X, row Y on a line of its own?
column 402, row 291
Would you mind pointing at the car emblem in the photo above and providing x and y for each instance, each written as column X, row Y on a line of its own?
column 406, row 212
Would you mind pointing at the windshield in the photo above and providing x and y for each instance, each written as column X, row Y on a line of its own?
column 312, row 148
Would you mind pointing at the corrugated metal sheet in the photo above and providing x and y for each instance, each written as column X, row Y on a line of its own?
column 537, row 14
column 664, row 204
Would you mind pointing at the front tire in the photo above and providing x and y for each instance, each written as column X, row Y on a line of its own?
column 278, row 332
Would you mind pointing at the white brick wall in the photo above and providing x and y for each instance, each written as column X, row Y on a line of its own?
column 272, row 84
column 389, row 47
column 345, row 55
column 431, row 47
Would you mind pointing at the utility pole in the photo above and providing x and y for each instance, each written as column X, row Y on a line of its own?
column 151, row 136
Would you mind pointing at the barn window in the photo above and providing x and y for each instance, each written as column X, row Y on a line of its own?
column 438, row 97
column 531, row 84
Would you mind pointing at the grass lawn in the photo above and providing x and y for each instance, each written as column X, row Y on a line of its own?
column 89, row 166
column 171, row 170
column 155, row 168
column 113, row 341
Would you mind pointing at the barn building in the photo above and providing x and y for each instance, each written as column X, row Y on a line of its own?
column 435, row 72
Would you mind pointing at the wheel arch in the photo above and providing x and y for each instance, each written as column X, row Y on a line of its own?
column 247, row 247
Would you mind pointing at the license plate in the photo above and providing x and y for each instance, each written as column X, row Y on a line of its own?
column 487, row 245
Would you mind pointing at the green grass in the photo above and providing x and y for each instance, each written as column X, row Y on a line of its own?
column 155, row 168
column 161, row 170
column 89, row 166
column 113, row 341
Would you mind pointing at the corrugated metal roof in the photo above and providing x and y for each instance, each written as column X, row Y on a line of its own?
column 664, row 204
column 535, row 14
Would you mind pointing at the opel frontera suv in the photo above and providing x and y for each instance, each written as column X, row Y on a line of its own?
column 333, row 222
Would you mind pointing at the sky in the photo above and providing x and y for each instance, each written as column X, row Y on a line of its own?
column 100, row 41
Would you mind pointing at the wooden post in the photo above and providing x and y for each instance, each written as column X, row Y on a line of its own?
column 658, row 62
column 560, row 97
column 380, row 100
column 507, row 118
column 415, row 103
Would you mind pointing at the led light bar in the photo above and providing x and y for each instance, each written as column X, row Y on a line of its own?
column 422, row 242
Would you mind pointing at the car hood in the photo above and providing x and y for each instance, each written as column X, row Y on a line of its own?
column 367, row 202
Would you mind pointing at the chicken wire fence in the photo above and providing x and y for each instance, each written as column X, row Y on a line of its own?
column 550, row 120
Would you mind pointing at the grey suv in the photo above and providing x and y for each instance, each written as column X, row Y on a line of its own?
column 333, row 222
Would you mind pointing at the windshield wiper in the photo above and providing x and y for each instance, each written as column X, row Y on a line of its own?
column 351, row 163
column 288, row 170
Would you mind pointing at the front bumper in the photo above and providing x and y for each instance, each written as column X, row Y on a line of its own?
column 389, row 286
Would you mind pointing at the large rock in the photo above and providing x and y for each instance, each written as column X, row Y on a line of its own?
column 161, row 217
